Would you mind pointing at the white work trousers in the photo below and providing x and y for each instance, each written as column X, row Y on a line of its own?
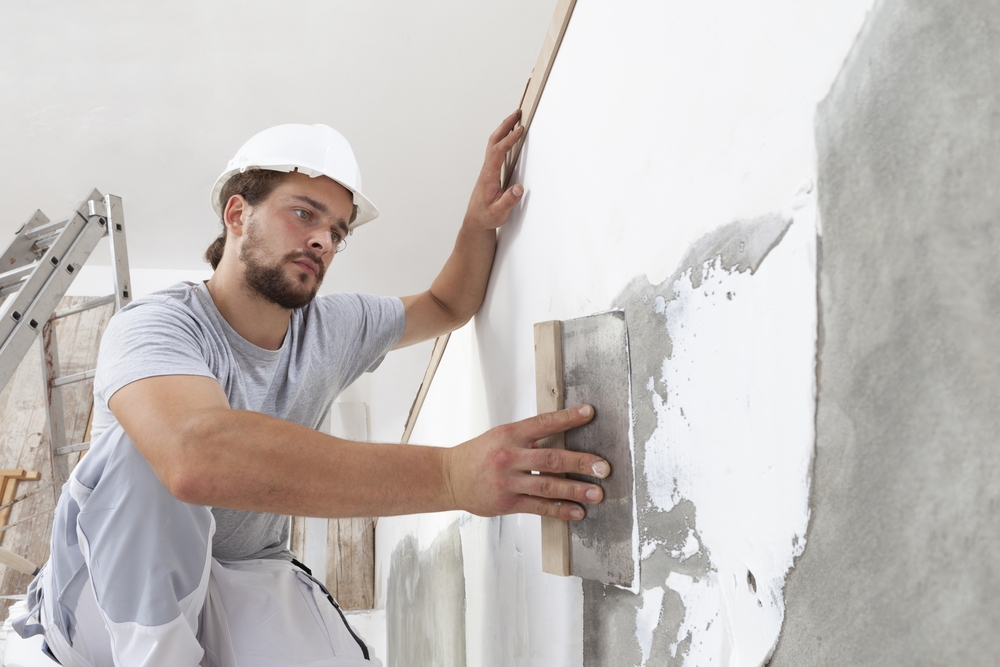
column 256, row 613
column 131, row 583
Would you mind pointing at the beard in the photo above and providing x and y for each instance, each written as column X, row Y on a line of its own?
column 269, row 281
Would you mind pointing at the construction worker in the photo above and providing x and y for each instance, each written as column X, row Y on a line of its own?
column 170, row 539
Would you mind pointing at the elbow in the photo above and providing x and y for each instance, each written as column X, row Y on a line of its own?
column 459, row 321
column 182, row 466
column 453, row 317
column 185, row 485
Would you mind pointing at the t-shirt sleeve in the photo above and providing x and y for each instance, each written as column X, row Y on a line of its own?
column 362, row 328
column 148, row 340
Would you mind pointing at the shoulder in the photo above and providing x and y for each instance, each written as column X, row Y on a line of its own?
column 353, row 306
column 165, row 312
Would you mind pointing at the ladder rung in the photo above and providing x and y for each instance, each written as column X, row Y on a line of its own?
column 44, row 230
column 86, row 305
column 10, row 289
column 16, row 276
column 69, row 449
column 76, row 377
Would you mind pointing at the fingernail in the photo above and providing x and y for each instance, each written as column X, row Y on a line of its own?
column 593, row 494
column 585, row 410
column 576, row 513
column 601, row 469
column 518, row 190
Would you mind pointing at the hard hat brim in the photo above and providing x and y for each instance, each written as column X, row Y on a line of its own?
column 366, row 210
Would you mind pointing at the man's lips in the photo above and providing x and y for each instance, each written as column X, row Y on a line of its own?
column 307, row 265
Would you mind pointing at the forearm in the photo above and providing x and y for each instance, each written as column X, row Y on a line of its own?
column 246, row 460
column 461, row 285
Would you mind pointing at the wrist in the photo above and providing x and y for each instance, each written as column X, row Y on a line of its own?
column 447, row 495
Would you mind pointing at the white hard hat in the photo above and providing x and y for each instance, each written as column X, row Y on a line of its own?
column 315, row 150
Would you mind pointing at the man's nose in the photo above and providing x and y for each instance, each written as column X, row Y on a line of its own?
column 321, row 241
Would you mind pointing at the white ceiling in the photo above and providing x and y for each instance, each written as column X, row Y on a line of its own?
column 150, row 100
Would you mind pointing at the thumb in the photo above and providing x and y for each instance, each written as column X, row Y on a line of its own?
column 509, row 198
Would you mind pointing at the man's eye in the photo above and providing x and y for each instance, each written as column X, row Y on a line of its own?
column 303, row 214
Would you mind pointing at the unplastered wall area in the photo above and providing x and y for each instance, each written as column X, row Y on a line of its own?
column 804, row 293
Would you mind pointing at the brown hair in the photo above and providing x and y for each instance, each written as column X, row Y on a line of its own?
column 255, row 185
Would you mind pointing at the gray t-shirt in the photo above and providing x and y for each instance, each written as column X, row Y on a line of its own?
column 179, row 331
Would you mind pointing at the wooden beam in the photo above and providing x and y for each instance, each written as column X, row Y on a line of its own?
column 350, row 562
column 7, row 493
column 539, row 77
column 550, row 396
column 411, row 420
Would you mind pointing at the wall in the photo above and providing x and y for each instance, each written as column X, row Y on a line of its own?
column 901, row 562
column 670, row 172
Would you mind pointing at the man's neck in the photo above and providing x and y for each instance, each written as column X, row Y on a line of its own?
column 256, row 319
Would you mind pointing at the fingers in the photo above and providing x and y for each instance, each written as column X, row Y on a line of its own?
column 505, row 127
column 558, row 488
column 498, row 151
column 557, row 509
column 549, row 423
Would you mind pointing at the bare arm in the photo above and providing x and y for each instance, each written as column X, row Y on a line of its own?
column 458, row 291
column 208, row 454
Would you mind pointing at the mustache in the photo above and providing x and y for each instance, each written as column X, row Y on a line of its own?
column 296, row 254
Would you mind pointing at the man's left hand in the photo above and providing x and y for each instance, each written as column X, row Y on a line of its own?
column 490, row 206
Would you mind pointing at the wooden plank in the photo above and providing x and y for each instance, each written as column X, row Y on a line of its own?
column 418, row 402
column 529, row 103
column 539, row 76
column 550, row 396
column 6, row 496
column 350, row 562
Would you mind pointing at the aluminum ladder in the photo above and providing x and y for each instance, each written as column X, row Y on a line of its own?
column 38, row 267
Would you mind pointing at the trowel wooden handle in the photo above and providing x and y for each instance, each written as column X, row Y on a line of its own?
column 19, row 563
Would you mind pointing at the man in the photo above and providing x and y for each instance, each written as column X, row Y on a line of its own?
column 169, row 542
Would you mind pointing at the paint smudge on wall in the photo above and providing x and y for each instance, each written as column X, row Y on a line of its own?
column 724, row 400
column 425, row 607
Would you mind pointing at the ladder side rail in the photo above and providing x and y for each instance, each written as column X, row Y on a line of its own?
column 119, row 251
column 55, row 417
column 47, row 298
column 121, row 298
column 16, row 307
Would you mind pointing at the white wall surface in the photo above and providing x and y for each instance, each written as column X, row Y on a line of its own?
column 661, row 123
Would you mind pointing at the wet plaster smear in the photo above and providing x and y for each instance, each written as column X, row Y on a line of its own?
column 425, row 609
column 723, row 369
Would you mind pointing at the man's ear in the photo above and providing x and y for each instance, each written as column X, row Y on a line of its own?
column 236, row 214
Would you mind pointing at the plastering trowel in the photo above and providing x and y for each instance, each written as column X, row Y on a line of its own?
column 586, row 360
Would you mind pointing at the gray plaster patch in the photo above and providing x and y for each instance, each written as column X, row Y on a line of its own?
column 425, row 606
column 904, row 538
column 609, row 612
column 609, row 625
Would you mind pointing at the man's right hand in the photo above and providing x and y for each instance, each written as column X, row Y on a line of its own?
column 492, row 474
